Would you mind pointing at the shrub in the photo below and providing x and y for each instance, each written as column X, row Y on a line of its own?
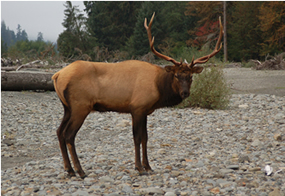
column 209, row 90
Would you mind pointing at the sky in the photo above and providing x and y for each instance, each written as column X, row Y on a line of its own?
column 36, row 16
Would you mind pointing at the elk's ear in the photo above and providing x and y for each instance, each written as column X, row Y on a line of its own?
column 169, row 68
column 197, row 69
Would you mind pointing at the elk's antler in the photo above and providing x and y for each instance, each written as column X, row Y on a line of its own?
column 151, row 42
column 204, row 59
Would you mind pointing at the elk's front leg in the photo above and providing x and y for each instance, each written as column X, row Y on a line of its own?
column 144, row 149
column 139, row 124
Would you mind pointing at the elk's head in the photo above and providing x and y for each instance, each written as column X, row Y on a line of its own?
column 182, row 71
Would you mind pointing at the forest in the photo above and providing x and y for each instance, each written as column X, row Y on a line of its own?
column 114, row 30
column 17, row 45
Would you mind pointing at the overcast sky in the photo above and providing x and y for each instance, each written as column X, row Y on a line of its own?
column 36, row 16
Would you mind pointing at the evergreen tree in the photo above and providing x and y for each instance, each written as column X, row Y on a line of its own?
column 4, row 49
column 175, row 25
column 244, row 34
column 75, row 37
column 112, row 22
column 19, row 33
column 138, row 43
column 7, row 35
column 24, row 35
column 40, row 37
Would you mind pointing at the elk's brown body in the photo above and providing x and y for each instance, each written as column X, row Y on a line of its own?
column 118, row 87
column 134, row 87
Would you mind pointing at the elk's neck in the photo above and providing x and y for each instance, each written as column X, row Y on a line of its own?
column 168, row 95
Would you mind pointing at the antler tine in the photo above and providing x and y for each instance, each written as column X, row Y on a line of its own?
column 151, row 43
column 217, row 49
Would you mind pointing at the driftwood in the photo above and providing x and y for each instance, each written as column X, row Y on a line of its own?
column 30, row 64
column 274, row 63
column 23, row 80
column 12, row 68
column 9, row 65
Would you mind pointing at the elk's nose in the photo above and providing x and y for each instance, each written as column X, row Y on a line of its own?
column 184, row 94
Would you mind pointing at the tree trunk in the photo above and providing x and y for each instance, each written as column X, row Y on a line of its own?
column 24, row 80
column 225, row 33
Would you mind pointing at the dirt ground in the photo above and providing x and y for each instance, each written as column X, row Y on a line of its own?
column 246, row 80
column 242, row 80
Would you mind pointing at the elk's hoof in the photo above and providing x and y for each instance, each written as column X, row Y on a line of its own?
column 150, row 172
column 148, row 169
column 82, row 175
column 140, row 170
column 143, row 173
column 70, row 173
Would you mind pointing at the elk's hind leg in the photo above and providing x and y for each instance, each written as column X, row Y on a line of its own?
column 77, row 118
column 62, row 143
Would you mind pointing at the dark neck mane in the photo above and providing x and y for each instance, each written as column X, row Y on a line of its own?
column 168, row 97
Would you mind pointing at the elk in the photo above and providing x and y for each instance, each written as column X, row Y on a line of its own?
column 132, row 86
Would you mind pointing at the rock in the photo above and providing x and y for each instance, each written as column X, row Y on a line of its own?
column 276, row 192
column 169, row 194
column 253, row 184
column 106, row 179
column 124, row 178
column 243, row 106
column 80, row 193
column 256, row 142
column 277, row 137
column 234, row 167
column 243, row 158
column 127, row 189
column 210, row 181
column 215, row 190
column 183, row 193
column 242, row 182
column 225, row 171
column 124, row 123
column 254, row 169
column 101, row 119
column 152, row 191
column 175, row 173
column 136, row 185
column 161, row 151
column 215, row 156
column 200, row 164
column 8, row 142
column 223, row 183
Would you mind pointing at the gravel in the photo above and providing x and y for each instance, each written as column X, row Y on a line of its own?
column 193, row 151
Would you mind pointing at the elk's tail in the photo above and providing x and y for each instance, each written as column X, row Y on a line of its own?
column 59, row 93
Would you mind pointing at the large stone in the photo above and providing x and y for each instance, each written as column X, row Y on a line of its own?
column 276, row 192
column 152, row 191
column 277, row 137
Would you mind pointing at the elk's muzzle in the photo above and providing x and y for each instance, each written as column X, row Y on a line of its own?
column 184, row 94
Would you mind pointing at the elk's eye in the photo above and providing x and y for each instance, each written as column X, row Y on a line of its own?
column 188, row 77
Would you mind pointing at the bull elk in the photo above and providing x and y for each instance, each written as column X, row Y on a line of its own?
column 132, row 86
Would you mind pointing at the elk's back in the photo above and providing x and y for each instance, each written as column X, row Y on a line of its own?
column 108, row 86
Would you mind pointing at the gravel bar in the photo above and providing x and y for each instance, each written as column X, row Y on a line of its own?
column 193, row 151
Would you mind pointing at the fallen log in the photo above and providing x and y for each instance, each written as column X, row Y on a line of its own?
column 12, row 68
column 26, row 80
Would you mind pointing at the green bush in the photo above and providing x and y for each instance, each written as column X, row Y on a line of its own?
column 209, row 90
